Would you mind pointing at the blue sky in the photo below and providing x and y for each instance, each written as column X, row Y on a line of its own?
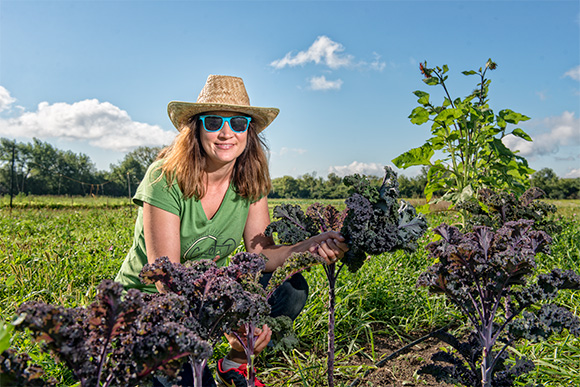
column 95, row 77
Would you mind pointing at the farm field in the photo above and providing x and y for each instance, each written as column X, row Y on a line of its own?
column 57, row 250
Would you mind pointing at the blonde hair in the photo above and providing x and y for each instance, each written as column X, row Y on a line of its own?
column 185, row 162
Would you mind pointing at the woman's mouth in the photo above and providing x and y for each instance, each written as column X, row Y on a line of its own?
column 224, row 146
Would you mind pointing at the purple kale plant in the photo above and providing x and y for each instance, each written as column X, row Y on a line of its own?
column 489, row 276
column 17, row 369
column 114, row 341
column 495, row 208
column 220, row 299
column 377, row 221
column 374, row 222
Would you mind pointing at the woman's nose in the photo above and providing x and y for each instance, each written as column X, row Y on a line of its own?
column 226, row 129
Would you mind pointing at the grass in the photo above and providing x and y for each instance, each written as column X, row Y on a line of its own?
column 57, row 250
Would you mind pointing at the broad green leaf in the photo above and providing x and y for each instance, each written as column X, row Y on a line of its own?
column 448, row 115
column 415, row 156
column 423, row 97
column 470, row 72
column 454, row 135
column 500, row 149
column 431, row 81
column 5, row 330
column 424, row 100
column 437, row 142
column 419, row 115
column 512, row 117
column 521, row 134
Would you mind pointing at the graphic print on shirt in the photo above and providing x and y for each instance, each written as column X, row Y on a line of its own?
column 207, row 247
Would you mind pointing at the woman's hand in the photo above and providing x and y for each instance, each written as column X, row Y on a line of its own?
column 263, row 337
column 329, row 245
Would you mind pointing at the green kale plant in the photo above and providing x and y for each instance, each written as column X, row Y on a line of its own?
column 489, row 276
column 468, row 135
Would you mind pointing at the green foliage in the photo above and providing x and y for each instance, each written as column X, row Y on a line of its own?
column 309, row 186
column 42, row 169
column 555, row 187
column 468, row 135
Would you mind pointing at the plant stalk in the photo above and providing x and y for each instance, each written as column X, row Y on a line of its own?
column 330, row 273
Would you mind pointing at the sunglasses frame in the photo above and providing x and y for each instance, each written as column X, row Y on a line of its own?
column 224, row 120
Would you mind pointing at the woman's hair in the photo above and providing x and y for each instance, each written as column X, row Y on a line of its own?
column 185, row 162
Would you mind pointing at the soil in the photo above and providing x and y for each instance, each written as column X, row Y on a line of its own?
column 400, row 371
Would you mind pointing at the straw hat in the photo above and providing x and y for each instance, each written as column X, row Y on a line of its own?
column 221, row 93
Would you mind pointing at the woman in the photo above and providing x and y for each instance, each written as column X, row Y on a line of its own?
column 208, row 190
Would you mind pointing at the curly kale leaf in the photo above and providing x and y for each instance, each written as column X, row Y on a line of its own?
column 116, row 341
column 376, row 222
column 489, row 275
column 326, row 218
column 283, row 336
column 18, row 370
column 495, row 208
column 296, row 263
column 293, row 225
column 219, row 298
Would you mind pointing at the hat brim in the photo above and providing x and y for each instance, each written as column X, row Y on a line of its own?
column 180, row 112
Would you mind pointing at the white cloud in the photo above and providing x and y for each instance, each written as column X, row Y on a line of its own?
column 574, row 173
column 323, row 50
column 358, row 167
column 6, row 100
column 327, row 52
column 573, row 73
column 377, row 64
column 560, row 131
column 321, row 83
column 101, row 124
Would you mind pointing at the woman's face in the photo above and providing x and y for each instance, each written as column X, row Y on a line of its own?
column 224, row 146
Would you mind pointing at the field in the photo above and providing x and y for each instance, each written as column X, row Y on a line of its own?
column 58, row 250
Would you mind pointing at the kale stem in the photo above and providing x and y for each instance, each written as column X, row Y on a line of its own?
column 331, row 276
column 198, row 367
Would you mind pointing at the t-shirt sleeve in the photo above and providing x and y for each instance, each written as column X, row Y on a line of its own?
column 156, row 192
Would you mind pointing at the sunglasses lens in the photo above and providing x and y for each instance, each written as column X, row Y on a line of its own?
column 213, row 123
column 239, row 124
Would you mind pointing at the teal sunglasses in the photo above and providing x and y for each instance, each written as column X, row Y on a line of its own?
column 238, row 124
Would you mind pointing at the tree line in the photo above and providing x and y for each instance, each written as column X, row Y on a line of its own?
column 38, row 168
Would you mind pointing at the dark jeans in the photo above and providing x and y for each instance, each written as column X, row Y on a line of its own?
column 186, row 375
column 288, row 300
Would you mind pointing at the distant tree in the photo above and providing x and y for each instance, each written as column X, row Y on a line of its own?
column 334, row 188
column 555, row 187
column 413, row 187
column 285, row 187
column 131, row 170
column 21, row 153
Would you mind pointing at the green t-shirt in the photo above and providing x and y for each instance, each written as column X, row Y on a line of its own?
column 201, row 238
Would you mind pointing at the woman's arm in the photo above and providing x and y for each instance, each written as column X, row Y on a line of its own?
column 162, row 237
column 329, row 245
